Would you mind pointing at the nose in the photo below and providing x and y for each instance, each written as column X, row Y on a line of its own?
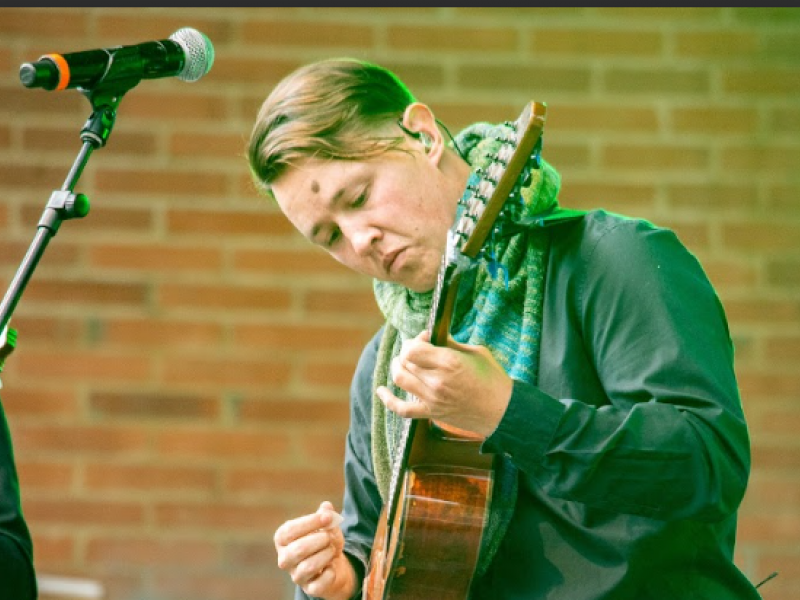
column 363, row 239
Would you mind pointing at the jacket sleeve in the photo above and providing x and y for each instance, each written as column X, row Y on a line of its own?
column 17, row 579
column 669, row 441
column 362, row 504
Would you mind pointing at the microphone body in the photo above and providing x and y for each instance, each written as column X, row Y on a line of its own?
column 187, row 54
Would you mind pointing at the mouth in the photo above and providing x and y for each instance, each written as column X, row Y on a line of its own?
column 389, row 260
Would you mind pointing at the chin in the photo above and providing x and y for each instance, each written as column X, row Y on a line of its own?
column 421, row 286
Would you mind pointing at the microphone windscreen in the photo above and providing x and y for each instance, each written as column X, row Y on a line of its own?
column 199, row 53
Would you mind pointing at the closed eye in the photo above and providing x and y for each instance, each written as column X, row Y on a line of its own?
column 335, row 236
column 361, row 199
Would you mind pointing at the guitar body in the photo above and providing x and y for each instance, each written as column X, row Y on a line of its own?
column 431, row 549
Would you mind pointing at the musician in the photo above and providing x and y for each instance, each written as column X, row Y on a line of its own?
column 588, row 350
column 17, row 579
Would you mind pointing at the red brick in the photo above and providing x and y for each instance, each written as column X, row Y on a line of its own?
column 715, row 120
column 763, row 384
column 775, row 528
column 170, row 183
column 321, row 483
column 161, row 333
column 73, row 512
column 784, row 348
column 220, row 296
column 127, row 552
column 156, row 257
column 302, row 337
column 317, row 372
column 222, row 584
column 766, row 237
column 762, row 80
column 58, row 255
column 185, row 104
column 766, row 159
column 332, row 301
column 150, row 479
column 81, row 439
column 577, row 156
column 223, row 445
column 53, row 476
column 34, row 103
column 323, row 448
column 83, row 365
column 461, row 39
column 214, row 145
column 6, row 60
column 53, row 549
column 306, row 262
column 762, row 310
column 784, row 273
column 259, row 223
column 634, row 199
column 661, row 81
column 44, row 24
column 661, row 157
column 219, row 517
column 635, row 43
column 5, row 136
column 586, row 118
column 153, row 405
column 32, row 177
column 121, row 28
column 294, row 411
column 785, row 199
column 500, row 76
column 20, row 402
column 304, row 33
column 92, row 292
column 728, row 273
column 784, row 119
column 716, row 44
column 247, row 68
column 712, row 197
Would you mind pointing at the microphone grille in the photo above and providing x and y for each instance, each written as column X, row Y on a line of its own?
column 199, row 53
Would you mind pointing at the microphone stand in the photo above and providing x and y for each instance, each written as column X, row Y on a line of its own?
column 64, row 203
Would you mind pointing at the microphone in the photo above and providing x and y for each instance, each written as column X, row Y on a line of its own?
column 187, row 55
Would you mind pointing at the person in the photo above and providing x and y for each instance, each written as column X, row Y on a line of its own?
column 588, row 352
column 17, row 576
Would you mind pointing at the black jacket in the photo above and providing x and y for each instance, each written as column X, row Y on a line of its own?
column 633, row 449
column 17, row 581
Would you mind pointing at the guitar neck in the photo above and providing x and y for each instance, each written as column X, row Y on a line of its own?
column 483, row 205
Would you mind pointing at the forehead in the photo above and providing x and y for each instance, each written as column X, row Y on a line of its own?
column 307, row 190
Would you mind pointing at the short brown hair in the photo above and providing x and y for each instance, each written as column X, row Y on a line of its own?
column 326, row 109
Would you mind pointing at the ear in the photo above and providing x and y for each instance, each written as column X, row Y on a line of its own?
column 419, row 118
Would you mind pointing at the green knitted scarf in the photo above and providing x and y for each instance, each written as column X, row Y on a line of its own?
column 504, row 315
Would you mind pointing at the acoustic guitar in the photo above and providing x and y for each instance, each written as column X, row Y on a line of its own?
column 430, row 529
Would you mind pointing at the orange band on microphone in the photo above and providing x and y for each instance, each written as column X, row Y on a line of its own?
column 63, row 70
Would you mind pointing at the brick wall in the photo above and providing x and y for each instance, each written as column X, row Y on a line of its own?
column 180, row 382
